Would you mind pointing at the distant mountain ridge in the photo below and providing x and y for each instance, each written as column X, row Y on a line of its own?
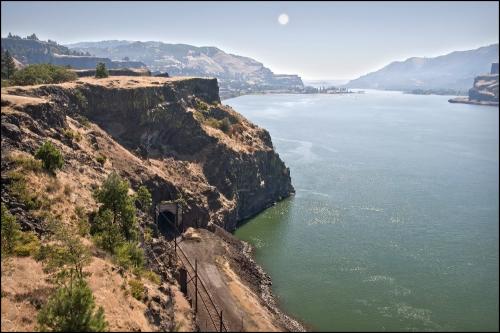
column 455, row 70
column 34, row 51
column 234, row 72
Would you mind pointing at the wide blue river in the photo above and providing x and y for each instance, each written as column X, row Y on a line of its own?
column 394, row 225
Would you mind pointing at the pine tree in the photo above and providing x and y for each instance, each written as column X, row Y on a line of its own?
column 101, row 71
column 8, row 65
column 32, row 37
column 113, row 195
column 51, row 156
column 72, row 309
column 144, row 198
column 10, row 231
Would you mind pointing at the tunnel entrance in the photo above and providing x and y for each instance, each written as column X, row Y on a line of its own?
column 169, row 219
column 166, row 223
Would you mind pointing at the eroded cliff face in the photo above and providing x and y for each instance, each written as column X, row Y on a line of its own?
column 171, row 134
column 485, row 88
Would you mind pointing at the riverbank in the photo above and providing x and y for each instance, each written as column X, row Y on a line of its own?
column 238, row 286
column 466, row 100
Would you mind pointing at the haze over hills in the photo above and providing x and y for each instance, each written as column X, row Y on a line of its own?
column 455, row 70
column 34, row 51
column 234, row 72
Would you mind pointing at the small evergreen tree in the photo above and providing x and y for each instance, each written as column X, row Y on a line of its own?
column 32, row 37
column 144, row 197
column 107, row 235
column 51, row 157
column 72, row 309
column 66, row 256
column 8, row 65
column 101, row 71
column 113, row 195
column 10, row 231
column 130, row 255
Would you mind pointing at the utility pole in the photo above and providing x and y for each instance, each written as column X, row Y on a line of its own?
column 196, row 286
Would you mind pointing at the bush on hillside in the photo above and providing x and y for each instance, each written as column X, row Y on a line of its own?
column 42, row 74
column 72, row 309
column 144, row 197
column 101, row 71
column 51, row 157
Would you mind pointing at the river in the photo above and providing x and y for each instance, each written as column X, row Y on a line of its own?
column 394, row 225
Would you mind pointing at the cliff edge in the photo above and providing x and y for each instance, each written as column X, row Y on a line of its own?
column 171, row 134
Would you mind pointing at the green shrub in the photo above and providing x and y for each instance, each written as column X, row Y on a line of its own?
column 72, row 135
column 200, row 105
column 83, row 227
column 225, row 125
column 212, row 122
column 148, row 235
column 42, row 74
column 65, row 256
column 72, row 309
column 27, row 244
column 101, row 159
column 101, row 71
column 129, row 255
column 19, row 189
column 107, row 235
column 136, row 289
column 152, row 276
column 27, row 163
column 144, row 197
column 51, row 157
column 10, row 231
column 113, row 195
column 84, row 121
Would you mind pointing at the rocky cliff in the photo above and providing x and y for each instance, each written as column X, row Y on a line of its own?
column 484, row 90
column 172, row 134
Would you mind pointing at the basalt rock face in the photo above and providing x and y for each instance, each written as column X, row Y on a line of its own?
column 173, row 141
column 484, row 91
column 485, row 88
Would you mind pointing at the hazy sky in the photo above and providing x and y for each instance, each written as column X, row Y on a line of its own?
column 335, row 40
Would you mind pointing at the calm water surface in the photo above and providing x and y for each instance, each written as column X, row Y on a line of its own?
column 395, row 222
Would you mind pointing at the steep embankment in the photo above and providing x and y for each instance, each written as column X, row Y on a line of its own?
column 171, row 134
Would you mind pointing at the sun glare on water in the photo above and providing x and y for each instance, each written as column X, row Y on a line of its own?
column 283, row 19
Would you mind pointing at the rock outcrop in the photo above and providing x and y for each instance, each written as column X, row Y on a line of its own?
column 165, row 133
column 484, row 90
